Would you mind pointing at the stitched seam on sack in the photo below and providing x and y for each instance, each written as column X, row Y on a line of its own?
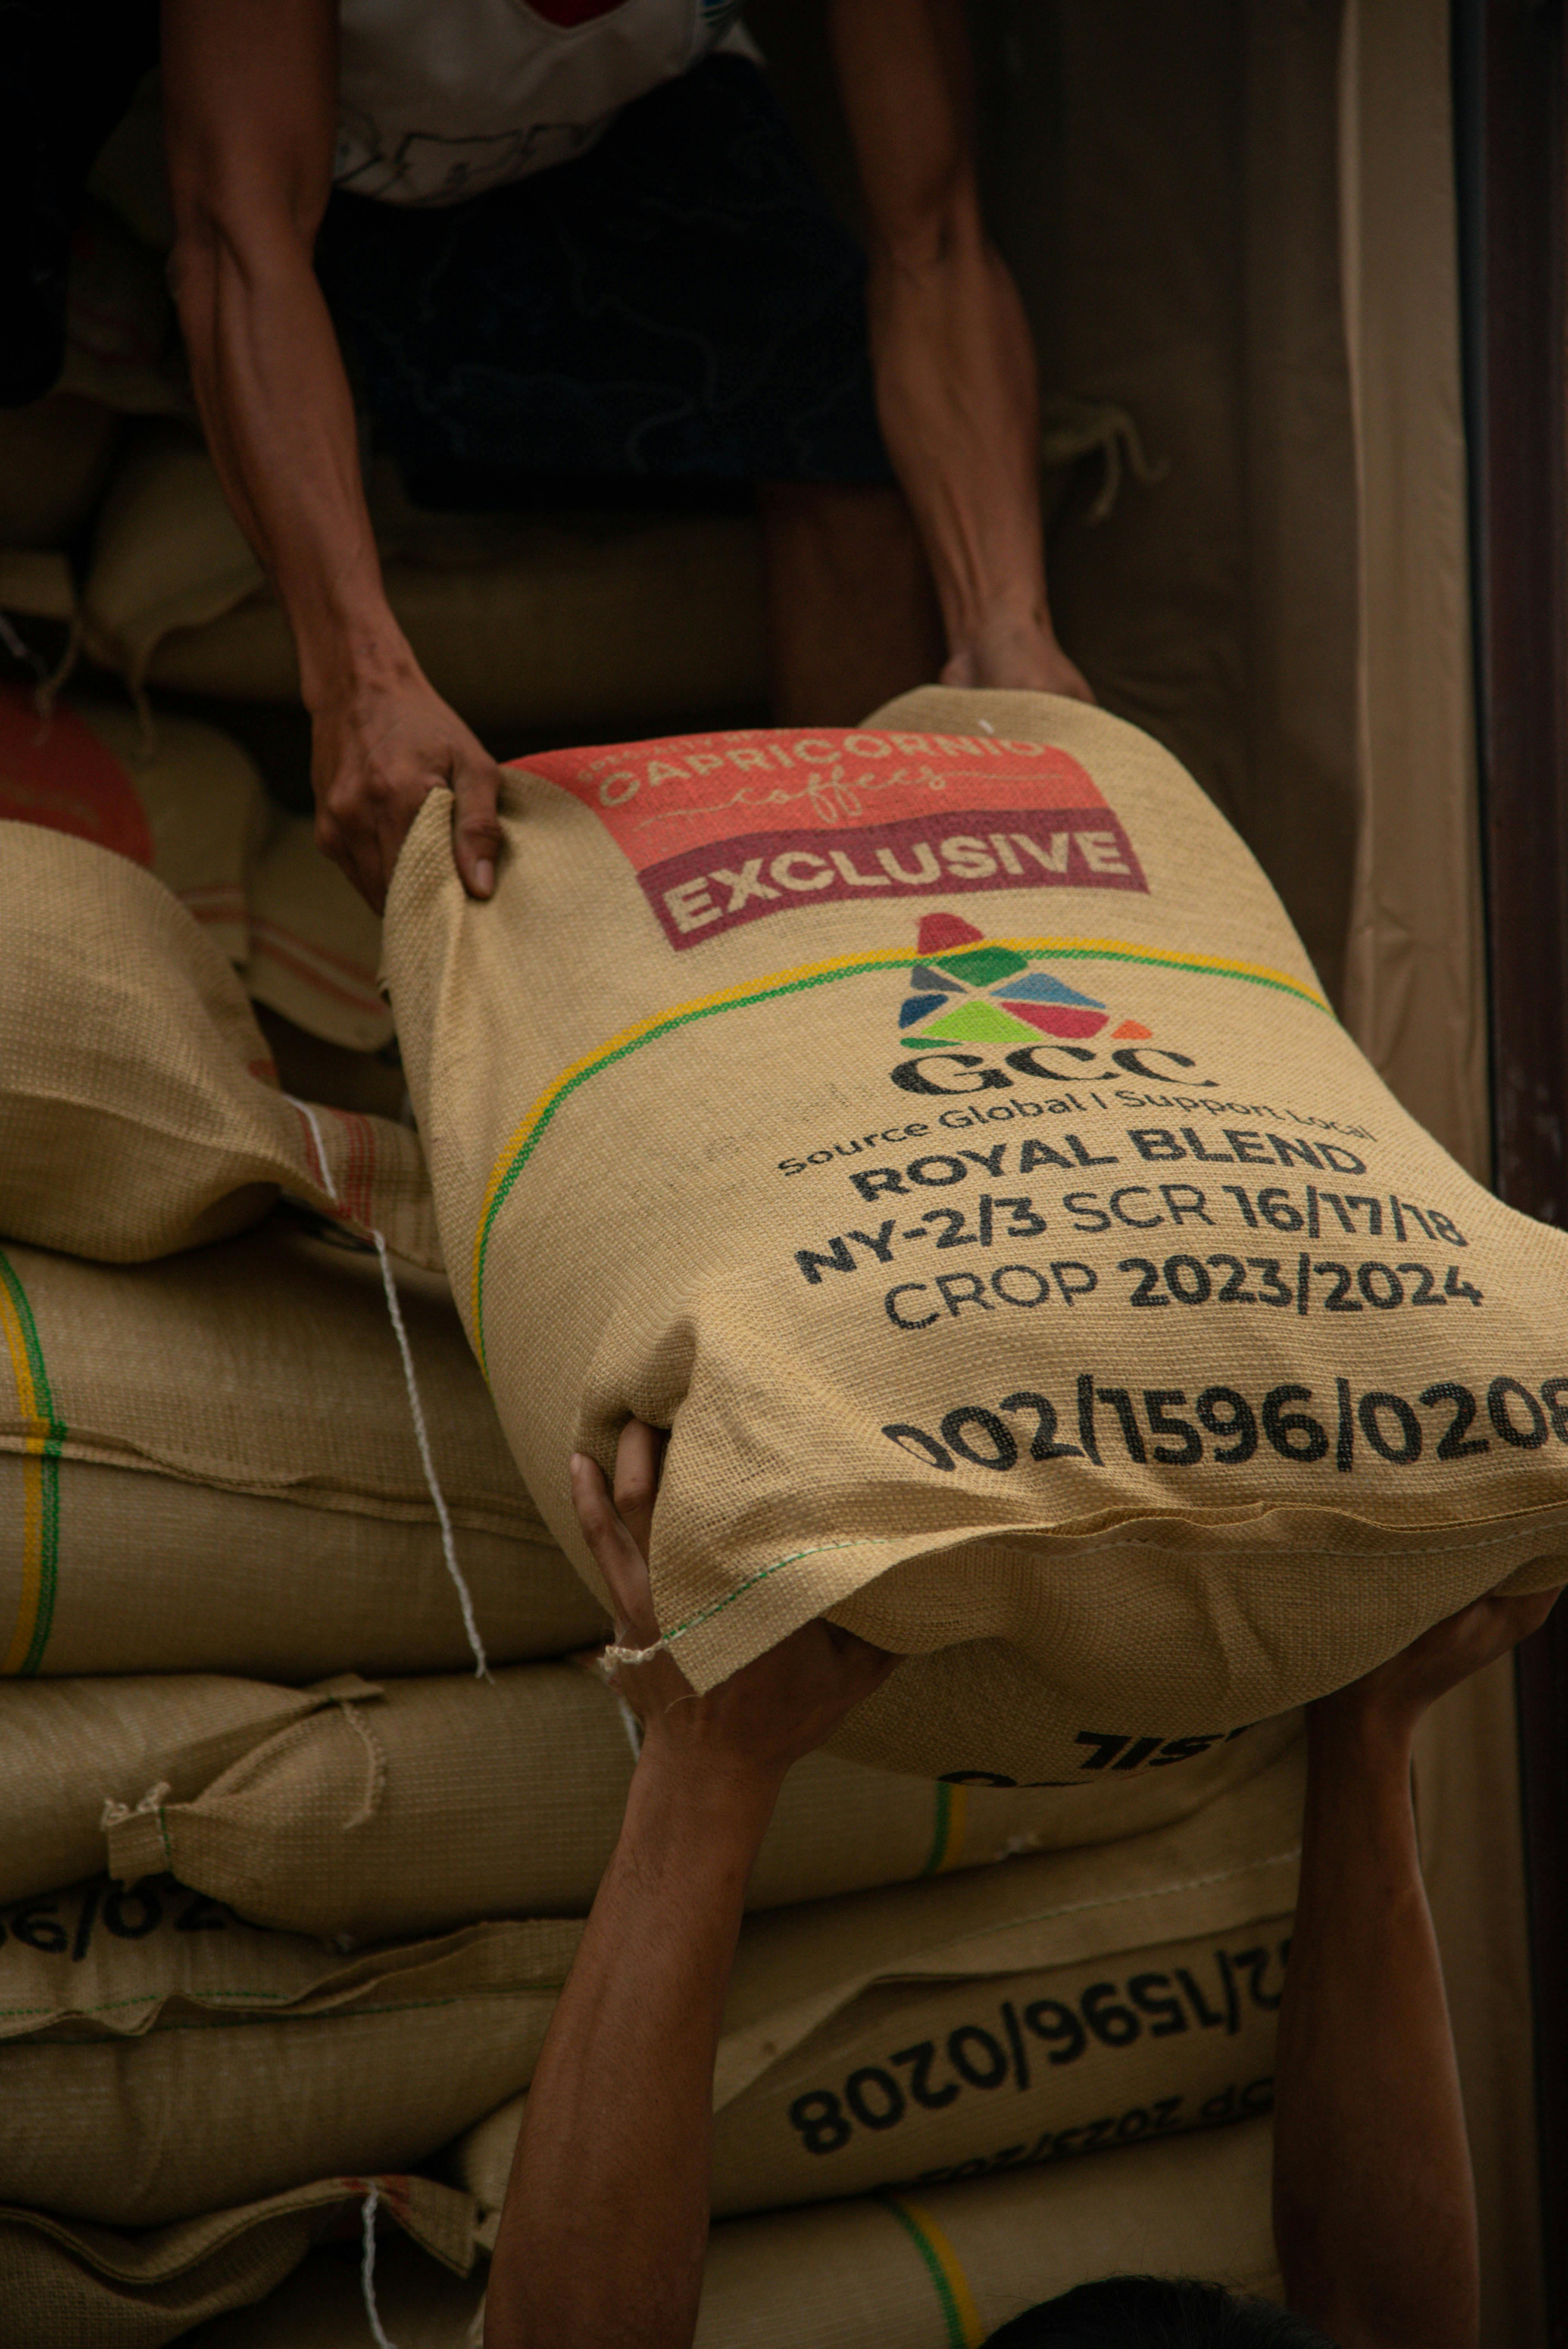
column 646, row 1031
column 1148, row 1892
column 343, row 2014
column 694, row 1622
column 1116, row 1539
column 310, row 1492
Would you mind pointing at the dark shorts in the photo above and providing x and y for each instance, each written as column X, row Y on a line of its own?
column 678, row 311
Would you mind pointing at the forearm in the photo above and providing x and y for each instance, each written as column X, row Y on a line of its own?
column 958, row 400
column 605, row 2227
column 1374, row 2205
column 274, row 399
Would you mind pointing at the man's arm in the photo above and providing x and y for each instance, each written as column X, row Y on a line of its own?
column 250, row 104
column 954, row 367
column 604, row 2226
column 1374, row 2199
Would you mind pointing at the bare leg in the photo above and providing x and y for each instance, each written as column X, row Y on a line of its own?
column 853, row 616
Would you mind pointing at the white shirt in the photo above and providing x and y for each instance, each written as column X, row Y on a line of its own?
column 439, row 99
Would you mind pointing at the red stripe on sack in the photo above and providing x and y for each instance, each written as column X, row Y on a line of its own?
column 365, row 1002
column 266, row 926
column 56, row 773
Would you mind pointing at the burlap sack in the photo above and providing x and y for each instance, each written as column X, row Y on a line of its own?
column 409, row 1807
column 550, row 623
column 1232, row 1381
column 1014, row 2015
column 209, row 1465
column 165, row 2059
column 141, row 1111
column 937, row 2271
column 54, row 456
column 70, row 1748
column 189, row 806
column 66, row 2285
column 183, row 800
column 315, row 945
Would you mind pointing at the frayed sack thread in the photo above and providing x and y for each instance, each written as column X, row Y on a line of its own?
column 416, row 1409
column 613, row 1658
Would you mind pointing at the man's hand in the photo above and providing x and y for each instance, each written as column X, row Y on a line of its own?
column 1374, row 2204
column 766, row 1716
column 951, row 348
column 250, row 105
column 605, row 2225
column 377, row 756
column 1020, row 652
column 1394, row 1696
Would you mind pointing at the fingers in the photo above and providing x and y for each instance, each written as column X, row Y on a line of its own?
column 615, row 1553
column 863, row 1662
column 476, row 824
column 1510, row 1621
column 639, row 1462
column 355, row 849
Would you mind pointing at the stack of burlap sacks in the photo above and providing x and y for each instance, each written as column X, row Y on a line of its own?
column 113, row 528
column 290, row 1888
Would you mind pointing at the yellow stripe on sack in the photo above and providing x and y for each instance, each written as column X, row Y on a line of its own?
column 520, row 1145
column 41, row 1444
column 959, row 2313
column 947, row 1832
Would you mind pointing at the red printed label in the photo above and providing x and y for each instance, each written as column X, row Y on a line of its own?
column 53, row 771
column 723, row 829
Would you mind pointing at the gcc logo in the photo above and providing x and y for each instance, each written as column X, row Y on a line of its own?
column 965, row 990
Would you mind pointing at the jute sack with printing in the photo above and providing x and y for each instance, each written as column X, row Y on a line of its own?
column 164, row 2059
column 937, row 2270
column 209, row 1464
column 190, row 808
column 69, row 2285
column 413, row 1805
column 940, row 1129
column 1016, row 2014
column 140, row 1110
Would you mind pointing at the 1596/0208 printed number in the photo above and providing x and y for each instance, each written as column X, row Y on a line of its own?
column 1151, row 1424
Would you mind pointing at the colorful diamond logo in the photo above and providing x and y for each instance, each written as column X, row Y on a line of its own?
column 965, row 988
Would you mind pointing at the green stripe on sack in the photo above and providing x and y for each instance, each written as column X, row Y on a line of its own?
column 959, row 2315
column 520, row 1144
column 41, row 1478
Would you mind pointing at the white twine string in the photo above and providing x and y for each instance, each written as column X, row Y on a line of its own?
column 416, row 1409
column 367, row 2271
column 630, row 1724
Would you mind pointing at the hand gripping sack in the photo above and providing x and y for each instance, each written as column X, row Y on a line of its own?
column 941, row 1129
